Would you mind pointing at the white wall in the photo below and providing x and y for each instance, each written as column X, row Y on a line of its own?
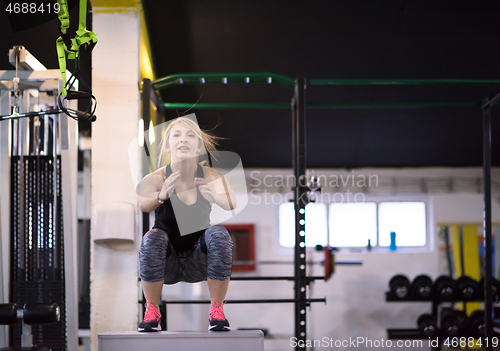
column 356, row 304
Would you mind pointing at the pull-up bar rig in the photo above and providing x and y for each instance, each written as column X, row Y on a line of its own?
column 298, row 106
column 17, row 115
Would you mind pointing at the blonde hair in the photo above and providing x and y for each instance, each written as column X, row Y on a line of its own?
column 205, row 138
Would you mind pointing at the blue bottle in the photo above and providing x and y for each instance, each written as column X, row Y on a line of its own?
column 392, row 247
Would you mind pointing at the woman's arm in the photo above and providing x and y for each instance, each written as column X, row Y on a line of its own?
column 148, row 204
column 216, row 189
column 154, row 189
column 148, row 191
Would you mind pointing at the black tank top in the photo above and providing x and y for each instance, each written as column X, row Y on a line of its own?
column 191, row 221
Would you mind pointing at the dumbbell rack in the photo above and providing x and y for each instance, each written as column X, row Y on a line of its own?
column 414, row 334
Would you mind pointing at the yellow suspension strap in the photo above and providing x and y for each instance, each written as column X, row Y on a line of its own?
column 68, row 48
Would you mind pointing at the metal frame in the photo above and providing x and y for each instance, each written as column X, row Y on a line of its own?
column 300, row 201
column 146, row 117
column 316, row 105
column 223, row 78
column 67, row 148
column 5, row 138
column 299, row 144
column 148, row 97
column 488, row 299
column 199, row 302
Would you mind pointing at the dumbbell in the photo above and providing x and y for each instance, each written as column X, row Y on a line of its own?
column 399, row 286
column 495, row 288
column 31, row 313
column 41, row 313
column 8, row 313
column 477, row 322
column 467, row 288
column 427, row 325
column 421, row 287
column 445, row 288
column 452, row 321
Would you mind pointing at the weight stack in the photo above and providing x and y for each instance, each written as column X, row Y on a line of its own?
column 37, row 244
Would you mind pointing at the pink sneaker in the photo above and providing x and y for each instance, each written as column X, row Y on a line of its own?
column 218, row 321
column 152, row 319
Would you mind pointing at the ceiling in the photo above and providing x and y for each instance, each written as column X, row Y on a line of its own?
column 350, row 39
column 337, row 39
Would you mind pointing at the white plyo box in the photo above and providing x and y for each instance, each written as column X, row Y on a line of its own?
column 237, row 340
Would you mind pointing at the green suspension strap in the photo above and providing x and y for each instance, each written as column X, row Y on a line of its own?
column 68, row 48
column 61, row 46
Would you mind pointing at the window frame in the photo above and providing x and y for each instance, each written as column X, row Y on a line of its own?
column 278, row 226
column 429, row 235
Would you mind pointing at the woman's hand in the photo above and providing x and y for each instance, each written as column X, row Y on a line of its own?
column 206, row 189
column 217, row 192
column 168, row 186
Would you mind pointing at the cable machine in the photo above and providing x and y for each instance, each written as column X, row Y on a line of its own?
column 38, row 175
column 298, row 106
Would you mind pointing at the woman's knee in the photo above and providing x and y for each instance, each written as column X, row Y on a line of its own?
column 153, row 255
column 218, row 234
column 154, row 240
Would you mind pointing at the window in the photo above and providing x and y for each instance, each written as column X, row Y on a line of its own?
column 354, row 224
column 406, row 219
column 316, row 224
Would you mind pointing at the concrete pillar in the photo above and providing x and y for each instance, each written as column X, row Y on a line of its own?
column 115, row 83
